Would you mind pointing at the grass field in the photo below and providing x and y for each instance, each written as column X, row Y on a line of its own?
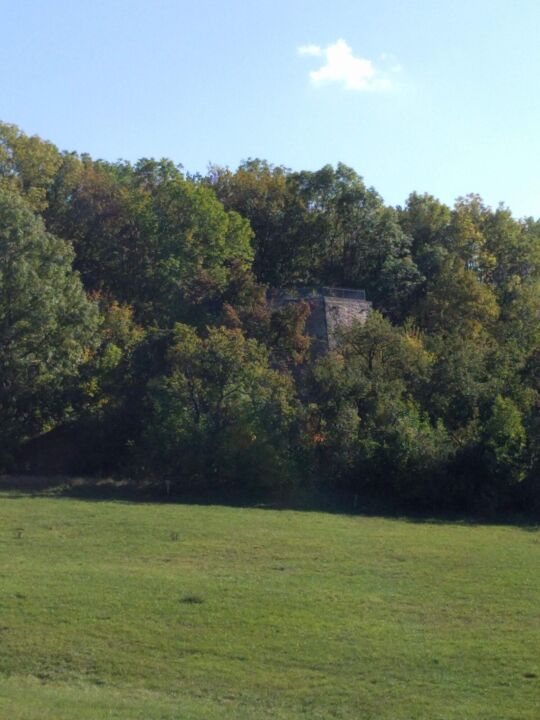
column 132, row 611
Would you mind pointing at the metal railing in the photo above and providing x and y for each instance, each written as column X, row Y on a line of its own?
column 302, row 292
column 344, row 293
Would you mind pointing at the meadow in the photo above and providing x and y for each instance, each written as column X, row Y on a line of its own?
column 159, row 611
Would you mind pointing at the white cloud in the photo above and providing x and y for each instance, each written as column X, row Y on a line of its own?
column 310, row 50
column 341, row 66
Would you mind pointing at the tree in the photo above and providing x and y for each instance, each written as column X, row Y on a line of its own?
column 504, row 441
column 153, row 239
column 426, row 220
column 456, row 300
column 221, row 415
column 372, row 429
column 277, row 215
column 322, row 228
column 28, row 165
column 196, row 243
column 354, row 240
column 47, row 324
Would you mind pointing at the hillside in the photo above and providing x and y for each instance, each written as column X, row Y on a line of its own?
column 145, row 332
column 131, row 611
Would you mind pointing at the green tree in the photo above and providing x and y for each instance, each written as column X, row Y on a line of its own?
column 151, row 238
column 28, row 165
column 197, row 243
column 372, row 430
column 277, row 215
column 353, row 238
column 505, row 441
column 47, row 324
column 322, row 228
column 221, row 415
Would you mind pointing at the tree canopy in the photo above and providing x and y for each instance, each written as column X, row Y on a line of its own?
column 134, row 310
column 47, row 324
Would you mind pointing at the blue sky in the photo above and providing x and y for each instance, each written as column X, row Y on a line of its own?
column 427, row 95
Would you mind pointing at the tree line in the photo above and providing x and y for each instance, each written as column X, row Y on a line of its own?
column 134, row 323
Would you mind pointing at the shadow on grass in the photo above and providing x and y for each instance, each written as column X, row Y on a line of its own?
column 297, row 499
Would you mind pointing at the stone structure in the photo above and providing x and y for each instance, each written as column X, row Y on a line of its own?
column 331, row 308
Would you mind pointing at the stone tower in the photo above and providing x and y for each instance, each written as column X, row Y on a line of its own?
column 331, row 308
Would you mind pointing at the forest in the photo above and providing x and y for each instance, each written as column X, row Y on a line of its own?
column 137, row 340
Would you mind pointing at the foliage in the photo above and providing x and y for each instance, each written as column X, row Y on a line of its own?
column 151, row 238
column 175, row 359
column 370, row 394
column 321, row 227
column 504, row 440
column 47, row 324
column 221, row 414
column 27, row 165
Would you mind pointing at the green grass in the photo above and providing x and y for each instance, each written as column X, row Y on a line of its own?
column 161, row 612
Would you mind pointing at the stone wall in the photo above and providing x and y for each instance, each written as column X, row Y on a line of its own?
column 328, row 312
column 343, row 312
